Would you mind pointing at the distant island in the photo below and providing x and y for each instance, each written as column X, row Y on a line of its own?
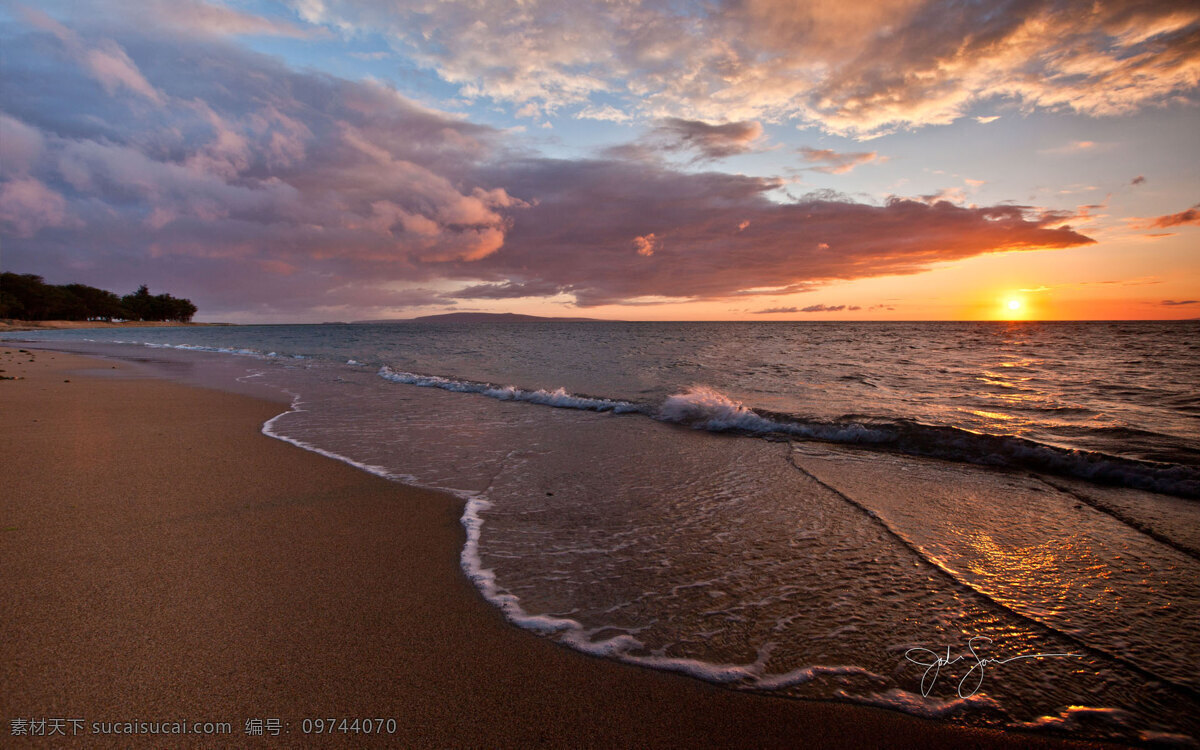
column 477, row 317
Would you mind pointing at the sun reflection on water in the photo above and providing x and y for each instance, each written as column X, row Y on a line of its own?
column 1032, row 573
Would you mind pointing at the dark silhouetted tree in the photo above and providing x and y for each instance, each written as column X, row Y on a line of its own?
column 29, row 297
column 141, row 305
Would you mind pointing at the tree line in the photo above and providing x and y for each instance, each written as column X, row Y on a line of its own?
column 29, row 297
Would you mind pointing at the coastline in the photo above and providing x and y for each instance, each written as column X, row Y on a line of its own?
column 169, row 561
column 9, row 326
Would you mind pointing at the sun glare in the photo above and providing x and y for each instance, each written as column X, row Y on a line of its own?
column 1011, row 308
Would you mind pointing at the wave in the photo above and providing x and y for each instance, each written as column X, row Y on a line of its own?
column 708, row 409
column 241, row 352
column 558, row 398
column 625, row 647
column 270, row 430
column 705, row 408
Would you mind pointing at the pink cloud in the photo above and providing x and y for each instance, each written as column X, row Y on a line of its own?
column 27, row 206
column 20, row 145
column 113, row 68
column 105, row 60
column 196, row 16
column 646, row 245
column 1189, row 216
column 834, row 163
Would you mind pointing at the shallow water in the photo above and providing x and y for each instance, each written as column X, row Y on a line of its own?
column 853, row 492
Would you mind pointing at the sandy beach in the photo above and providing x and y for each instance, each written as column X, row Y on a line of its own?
column 165, row 561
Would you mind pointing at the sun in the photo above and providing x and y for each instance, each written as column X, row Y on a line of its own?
column 1011, row 307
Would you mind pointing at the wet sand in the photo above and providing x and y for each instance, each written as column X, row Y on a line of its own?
column 165, row 561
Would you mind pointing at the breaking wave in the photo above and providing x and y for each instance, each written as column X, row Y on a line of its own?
column 557, row 398
column 704, row 408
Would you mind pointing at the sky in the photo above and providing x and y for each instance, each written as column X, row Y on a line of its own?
column 337, row 160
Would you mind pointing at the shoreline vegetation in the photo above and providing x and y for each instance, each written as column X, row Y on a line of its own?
column 28, row 297
column 12, row 324
column 225, row 576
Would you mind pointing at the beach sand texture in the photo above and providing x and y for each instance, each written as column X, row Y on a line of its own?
column 163, row 561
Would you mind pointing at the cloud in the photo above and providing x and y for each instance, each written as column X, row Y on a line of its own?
column 1172, row 303
column 247, row 163
column 605, row 112
column 104, row 60
column 574, row 237
column 850, row 68
column 646, row 245
column 506, row 290
column 707, row 140
column 196, row 16
column 952, row 195
column 809, row 309
column 27, row 206
column 1076, row 147
column 20, row 146
column 987, row 119
column 835, row 163
column 305, row 192
column 1190, row 216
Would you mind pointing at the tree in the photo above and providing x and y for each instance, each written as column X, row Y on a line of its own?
column 141, row 305
column 29, row 297
column 97, row 304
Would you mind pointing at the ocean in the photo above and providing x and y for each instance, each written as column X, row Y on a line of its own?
column 993, row 524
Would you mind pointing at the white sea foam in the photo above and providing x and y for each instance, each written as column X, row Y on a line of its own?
column 808, row 674
column 558, row 398
column 622, row 646
column 214, row 349
column 269, row 430
column 708, row 409
column 917, row 705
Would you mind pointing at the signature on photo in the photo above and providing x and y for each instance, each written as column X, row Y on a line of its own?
column 973, row 679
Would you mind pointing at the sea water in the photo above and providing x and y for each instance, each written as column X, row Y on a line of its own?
column 988, row 523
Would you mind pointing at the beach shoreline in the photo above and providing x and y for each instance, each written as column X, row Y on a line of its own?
column 168, row 561
column 12, row 325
